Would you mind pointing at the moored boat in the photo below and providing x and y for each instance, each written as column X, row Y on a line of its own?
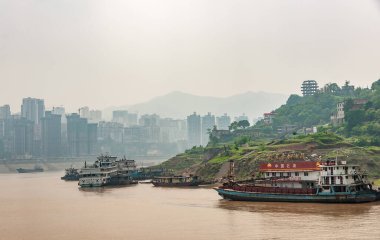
column 106, row 171
column 306, row 181
column 176, row 181
column 30, row 170
column 71, row 174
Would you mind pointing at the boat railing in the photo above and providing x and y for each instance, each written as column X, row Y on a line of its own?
column 279, row 190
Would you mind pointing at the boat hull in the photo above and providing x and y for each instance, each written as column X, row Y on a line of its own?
column 114, row 181
column 70, row 178
column 23, row 170
column 184, row 184
column 314, row 198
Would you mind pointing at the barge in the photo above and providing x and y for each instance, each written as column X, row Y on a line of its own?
column 304, row 181
column 176, row 181
column 30, row 170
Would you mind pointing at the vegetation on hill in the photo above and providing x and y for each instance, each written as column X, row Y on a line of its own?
column 211, row 163
column 356, row 140
column 308, row 111
column 364, row 123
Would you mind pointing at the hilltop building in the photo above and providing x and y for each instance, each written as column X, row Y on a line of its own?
column 268, row 117
column 309, row 87
column 337, row 118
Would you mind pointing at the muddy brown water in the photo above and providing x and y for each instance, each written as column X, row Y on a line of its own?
column 41, row 206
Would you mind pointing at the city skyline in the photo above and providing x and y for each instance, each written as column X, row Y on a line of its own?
column 197, row 47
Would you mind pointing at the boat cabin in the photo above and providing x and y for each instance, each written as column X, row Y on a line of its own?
column 291, row 174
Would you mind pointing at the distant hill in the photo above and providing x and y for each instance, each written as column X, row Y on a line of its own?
column 179, row 105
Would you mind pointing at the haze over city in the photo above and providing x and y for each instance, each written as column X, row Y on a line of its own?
column 101, row 53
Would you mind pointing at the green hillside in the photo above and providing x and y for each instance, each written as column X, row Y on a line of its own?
column 356, row 140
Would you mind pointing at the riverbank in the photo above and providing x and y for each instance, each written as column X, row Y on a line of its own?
column 211, row 163
column 59, row 164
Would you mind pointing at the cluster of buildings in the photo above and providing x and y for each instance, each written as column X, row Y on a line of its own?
column 35, row 132
column 38, row 133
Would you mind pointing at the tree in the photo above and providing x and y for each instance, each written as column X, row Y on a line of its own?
column 376, row 85
column 233, row 126
column 353, row 118
column 331, row 88
column 243, row 124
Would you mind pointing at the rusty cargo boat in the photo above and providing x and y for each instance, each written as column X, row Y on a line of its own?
column 306, row 181
column 176, row 181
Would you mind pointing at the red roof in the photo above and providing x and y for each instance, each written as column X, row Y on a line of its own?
column 290, row 166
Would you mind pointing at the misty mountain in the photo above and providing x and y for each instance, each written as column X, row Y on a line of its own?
column 179, row 105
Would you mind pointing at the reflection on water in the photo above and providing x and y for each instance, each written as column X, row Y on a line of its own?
column 102, row 191
column 41, row 206
column 336, row 210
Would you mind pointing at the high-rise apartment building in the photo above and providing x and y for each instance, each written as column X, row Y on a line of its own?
column 77, row 134
column 5, row 112
column 84, row 112
column 51, row 135
column 208, row 123
column 241, row 118
column 194, row 130
column 33, row 109
column 223, row 122
column 95, row 116
column 92, row 133
column 124, row 117
column 23, row 140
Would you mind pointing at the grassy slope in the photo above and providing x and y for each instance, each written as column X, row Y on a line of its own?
column 210, row 163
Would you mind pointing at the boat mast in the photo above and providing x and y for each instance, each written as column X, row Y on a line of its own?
column 231, row 170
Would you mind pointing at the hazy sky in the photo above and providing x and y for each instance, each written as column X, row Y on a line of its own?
column 116, row 52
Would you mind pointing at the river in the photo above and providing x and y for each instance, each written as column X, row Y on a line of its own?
column 41, row 206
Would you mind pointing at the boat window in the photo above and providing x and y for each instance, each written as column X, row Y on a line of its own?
column 297, row 174
column 289, row 174
column 273, row 174
column 339, row 189
column 281, row 174
column 306, row 174
column 267, row 173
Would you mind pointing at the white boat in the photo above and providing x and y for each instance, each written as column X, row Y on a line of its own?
column 107, row 170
